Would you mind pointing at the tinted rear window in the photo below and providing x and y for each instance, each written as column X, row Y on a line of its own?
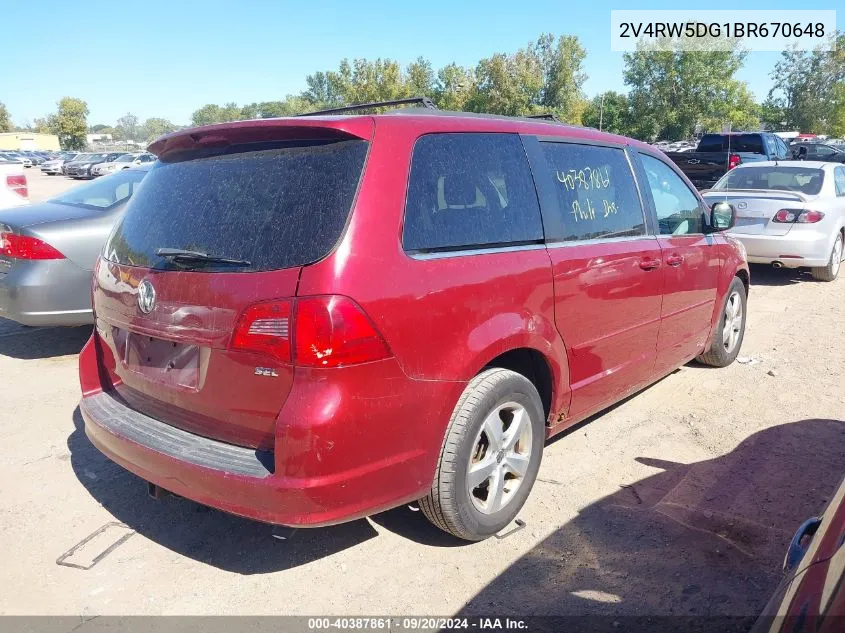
column 750, row 143
column 470, row 191
column 800, row 179
column 275, row 208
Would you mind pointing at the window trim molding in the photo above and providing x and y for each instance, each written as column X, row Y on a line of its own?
column 464, row 251
column 562, row 243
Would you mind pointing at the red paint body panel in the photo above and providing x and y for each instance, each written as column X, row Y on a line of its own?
column 691, row 265
column 355, row 440
column 607, row 309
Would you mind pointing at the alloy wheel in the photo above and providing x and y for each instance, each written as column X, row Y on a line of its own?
column 500, row 457
column 733, row 322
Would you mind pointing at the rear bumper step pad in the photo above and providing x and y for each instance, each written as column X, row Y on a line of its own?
column 110, row 412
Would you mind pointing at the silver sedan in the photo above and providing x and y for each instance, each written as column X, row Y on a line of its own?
column 48, row 250
column 789, row 214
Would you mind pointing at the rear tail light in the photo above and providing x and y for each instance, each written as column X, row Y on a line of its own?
column 785, row 216
column 810, row 217
column 26, row 247
column 18, row 185
column 733, row 161
column 332, row 331
column 323, row 331
column 801, row 216
column 265, row 328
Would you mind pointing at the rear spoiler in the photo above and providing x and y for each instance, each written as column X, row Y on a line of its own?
column 261, row 131
column 758, row 193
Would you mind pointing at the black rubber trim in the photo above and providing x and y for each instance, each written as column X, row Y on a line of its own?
column 110, row 412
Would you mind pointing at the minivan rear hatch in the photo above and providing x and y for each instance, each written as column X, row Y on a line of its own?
column 225, row 220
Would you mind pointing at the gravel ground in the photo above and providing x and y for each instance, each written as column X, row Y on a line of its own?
column 681, row 500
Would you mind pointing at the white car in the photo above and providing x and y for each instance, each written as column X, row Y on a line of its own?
column 54, row 166
column 789, row 214
column 122, row 162
column 13, row 186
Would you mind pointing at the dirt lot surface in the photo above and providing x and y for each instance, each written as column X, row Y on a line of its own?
column 680, row 500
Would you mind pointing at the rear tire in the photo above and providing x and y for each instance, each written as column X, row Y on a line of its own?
column 497, row 402
column 727, row 339
column 831, row 271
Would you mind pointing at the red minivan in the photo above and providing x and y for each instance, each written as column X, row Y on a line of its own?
column 309, row 320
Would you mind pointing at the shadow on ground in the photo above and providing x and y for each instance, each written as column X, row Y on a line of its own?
column 703, row 539
column 762, row 275
column 706, row 538
column 199, row 532
column 28, row 343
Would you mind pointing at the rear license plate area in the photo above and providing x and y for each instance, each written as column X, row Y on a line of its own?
column 162, row 361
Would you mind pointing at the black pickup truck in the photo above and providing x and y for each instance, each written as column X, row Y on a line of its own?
column 716, row 154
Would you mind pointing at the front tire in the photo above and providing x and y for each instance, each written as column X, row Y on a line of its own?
column 490, row 456
column 831, row 271
column 727, row 340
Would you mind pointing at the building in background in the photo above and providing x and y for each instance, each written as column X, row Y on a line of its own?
column 102, row 139
column 29, row 141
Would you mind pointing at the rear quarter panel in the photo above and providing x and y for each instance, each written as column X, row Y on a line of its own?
column 79, row 239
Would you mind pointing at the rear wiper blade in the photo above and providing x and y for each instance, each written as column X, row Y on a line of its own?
column 182, row 255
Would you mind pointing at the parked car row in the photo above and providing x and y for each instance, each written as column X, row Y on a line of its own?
column 91, row 165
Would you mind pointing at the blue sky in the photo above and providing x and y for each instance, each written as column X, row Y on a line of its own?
column 168, row 58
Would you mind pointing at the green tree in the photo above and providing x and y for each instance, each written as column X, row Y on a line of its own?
column 127, row 128
column 419, row 78
column 837, row 120
column 95, row 129
column 155, row 127
column 69, row 123
column 808, row 88
column 609, row 112
column 212, row 113
column 508, row 84
column 209, row 113
column 545, row 76
column 674, row 92
column 454, row 87
column 44, row 125
column 562, row 62
column 5, row 119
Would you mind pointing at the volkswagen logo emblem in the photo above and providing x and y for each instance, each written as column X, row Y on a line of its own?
column 146, row 297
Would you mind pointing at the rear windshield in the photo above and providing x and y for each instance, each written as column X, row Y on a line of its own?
column 274, row 208
column 104, row 193
column 800, row 179
column 750, row 143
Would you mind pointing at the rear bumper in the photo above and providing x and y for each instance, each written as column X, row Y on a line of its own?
column 795, row 249
column 46, row 293
column 342, row 451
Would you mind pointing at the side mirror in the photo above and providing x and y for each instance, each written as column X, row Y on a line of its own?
column 722, row 216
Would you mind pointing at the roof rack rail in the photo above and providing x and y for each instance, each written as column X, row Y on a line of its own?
column 425, row 102
column 546, row 116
